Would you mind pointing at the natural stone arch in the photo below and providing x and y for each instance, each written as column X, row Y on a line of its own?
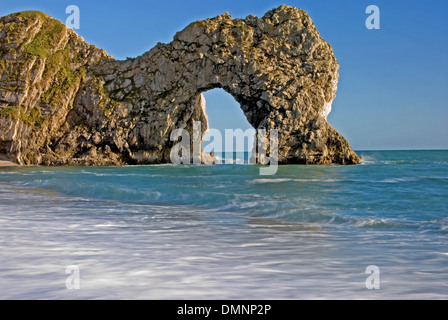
column 278, row 68
column 283, row 74
column 225, row 113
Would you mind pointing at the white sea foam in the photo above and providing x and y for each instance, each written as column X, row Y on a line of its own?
column 278, row 180
column 373, row 222
column 281, row 180
column 224, row 234
column 106, row 225
column 399, row 180
column 367, row 160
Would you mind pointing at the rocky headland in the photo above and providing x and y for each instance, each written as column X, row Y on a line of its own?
column 66, row 102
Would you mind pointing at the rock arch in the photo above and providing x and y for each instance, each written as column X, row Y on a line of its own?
column 278, row 68
column 225, row 113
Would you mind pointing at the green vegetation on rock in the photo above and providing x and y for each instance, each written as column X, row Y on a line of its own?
column 283, row 80
column 48, row 37
column 32, row 117
column 64, row 78
column 9, row 112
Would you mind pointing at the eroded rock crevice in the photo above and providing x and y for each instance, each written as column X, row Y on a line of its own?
column 65, row 102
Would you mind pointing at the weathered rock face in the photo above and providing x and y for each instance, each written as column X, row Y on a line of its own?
column 65, row 102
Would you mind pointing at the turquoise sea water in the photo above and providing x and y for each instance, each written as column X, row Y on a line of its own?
column 224, row 231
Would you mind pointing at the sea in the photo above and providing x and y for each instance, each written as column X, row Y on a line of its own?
column 378, row 230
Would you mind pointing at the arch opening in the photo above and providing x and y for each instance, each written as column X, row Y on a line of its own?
column 230, row 137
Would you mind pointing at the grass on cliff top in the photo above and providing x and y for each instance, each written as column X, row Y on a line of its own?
column 62, row 71
column 48, row 37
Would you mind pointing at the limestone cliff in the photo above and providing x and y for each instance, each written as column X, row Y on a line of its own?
column 65, row 102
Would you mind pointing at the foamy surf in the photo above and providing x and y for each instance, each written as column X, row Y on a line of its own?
column 167, row 232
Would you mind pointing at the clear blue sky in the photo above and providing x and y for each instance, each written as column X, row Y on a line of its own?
column 393, row 87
